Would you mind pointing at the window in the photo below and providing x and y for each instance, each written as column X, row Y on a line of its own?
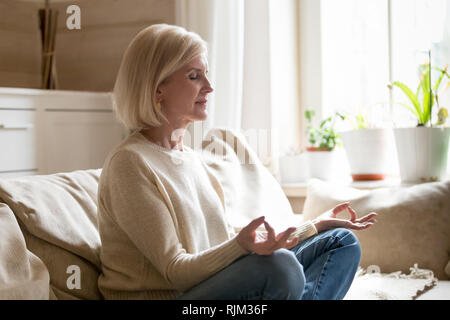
column 366, row 44
column 416, row 27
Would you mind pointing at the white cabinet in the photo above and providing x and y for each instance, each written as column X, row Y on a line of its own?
column 17, row 128
column 78, row 139
column 44, row 132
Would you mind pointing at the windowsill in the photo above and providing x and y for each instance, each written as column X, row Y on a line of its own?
column 299, row 189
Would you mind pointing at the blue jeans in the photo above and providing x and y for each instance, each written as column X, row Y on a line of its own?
column 320, row 268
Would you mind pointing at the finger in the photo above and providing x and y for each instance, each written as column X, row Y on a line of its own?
column 262, row 249
column 367, row 217
column 367, row 225
column 281, row 243
column 361, row 226
column 340, row 207
column 265, row 248
column 270, row 231
column 291, row 234
column 292, row 243
column 353, row 214
column 341, row 223
column 254, row 224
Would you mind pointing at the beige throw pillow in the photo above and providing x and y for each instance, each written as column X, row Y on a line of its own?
column 22, row 274
column 58, row 217
column 413, row 223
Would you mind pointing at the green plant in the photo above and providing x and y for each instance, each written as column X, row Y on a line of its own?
column 361, row 122
column 357, row 121
column 422, row 108
column 324, row 137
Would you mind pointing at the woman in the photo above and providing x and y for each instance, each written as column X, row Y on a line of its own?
column 162, row 224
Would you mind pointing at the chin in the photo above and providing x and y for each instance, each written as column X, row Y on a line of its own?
column 205, row 116
column 201, row 115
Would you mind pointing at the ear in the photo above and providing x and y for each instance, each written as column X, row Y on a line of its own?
column 159, row 94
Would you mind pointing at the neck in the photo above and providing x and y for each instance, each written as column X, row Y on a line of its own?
column 165, row 136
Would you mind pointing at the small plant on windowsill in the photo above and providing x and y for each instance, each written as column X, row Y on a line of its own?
column 422, row 150
column 323, row 140
column 357, row 120
column 369, row 145
column 422, row 110
column 324, row 137
column 361, row 121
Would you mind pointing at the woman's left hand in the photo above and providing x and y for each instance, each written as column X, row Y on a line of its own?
column 328, row 220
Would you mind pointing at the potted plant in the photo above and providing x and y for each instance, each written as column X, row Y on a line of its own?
column 323, row 140
column 422, row 150
column 370, row 149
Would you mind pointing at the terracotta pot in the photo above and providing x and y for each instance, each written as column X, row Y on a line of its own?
column 317, row 149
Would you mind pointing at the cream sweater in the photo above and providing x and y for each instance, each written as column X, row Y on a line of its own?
column 163, row 220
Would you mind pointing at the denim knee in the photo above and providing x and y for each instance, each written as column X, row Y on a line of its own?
column 350, row 240
column 284, row 275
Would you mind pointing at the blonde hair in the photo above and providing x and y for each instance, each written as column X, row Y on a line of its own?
column 152, row 56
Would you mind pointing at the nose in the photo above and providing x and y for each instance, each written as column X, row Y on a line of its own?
column 207, row 88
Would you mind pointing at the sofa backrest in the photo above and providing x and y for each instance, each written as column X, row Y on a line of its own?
column 413, row 223
column 57, row 214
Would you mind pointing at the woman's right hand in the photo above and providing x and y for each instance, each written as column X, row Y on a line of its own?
column 264, row 243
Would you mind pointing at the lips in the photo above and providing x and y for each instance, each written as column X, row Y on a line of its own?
column 204, row 101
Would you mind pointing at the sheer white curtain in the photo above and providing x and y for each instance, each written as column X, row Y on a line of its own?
column 219, row 23
column 253, row 54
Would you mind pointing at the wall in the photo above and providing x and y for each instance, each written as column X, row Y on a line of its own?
column 86, row 59
column 20, row 60
column 89, row 59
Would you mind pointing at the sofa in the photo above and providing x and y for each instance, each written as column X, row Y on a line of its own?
column 49, row 233
column 406, row 253
column 50, row 244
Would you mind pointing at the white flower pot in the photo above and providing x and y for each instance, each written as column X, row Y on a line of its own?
column 322, row 164
column 293, row 168
column 370, row 153
column 422, row 153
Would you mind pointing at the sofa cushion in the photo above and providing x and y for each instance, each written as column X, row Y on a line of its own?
column 58, row 216
column 412, row 226
column 22, row 274
column 249, row 189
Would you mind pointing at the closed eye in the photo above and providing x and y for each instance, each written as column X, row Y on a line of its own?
column 195, row 73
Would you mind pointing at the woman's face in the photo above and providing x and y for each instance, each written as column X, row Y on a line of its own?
column 183, row 95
